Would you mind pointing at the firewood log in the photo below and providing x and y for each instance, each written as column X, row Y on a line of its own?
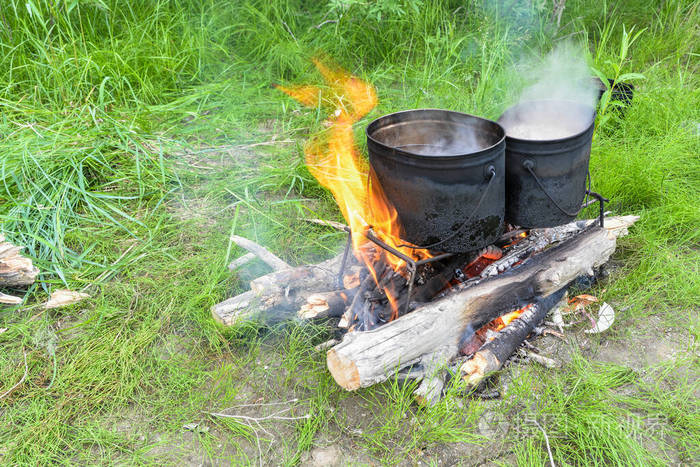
column 494, row 353
column 15, row 270
column 327, row 304
column 279, row 293
column 366, row 358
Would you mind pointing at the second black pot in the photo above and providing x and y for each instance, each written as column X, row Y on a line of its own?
column 548, row 146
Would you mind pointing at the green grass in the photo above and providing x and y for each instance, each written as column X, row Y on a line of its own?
column 126, row 162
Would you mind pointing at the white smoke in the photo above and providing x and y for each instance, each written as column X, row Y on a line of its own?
column 561, row 75
column 558, row 96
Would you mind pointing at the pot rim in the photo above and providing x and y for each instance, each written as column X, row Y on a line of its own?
column 445, row 157
column 550, row 141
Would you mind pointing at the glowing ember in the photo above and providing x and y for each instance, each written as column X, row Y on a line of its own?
column 335, row 161
column 488, row 331
column 506, row 319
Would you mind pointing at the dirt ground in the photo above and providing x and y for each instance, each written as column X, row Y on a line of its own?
column 635, row 344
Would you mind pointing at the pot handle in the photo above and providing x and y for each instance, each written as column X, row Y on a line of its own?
column 529, row 165
column 490, row 173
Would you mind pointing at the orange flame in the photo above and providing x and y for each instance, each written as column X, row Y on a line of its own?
column 335, row 161
column 506, row 319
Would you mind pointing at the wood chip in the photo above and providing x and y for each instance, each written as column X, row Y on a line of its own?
column 64, row 297
column 606, row 317
column 9, row 299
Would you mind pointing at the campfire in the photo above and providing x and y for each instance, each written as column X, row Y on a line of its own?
column 403, row 302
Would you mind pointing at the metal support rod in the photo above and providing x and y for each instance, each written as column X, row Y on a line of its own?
column 411, row 280
column 601, row 200
column 346, row 252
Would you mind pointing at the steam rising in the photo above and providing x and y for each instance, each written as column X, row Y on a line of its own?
column 560, row 100
column 436, row 133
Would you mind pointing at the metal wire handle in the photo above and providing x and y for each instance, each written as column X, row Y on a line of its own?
column 492, row 174
column 529, row 165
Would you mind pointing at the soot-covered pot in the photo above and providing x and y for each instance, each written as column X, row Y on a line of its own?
column 444, row 173
column 548, row 146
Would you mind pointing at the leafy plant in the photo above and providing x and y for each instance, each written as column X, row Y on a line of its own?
column 617, row 67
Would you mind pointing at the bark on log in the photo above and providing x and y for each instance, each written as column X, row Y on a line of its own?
column 429, row 392
column 327, row 304
column 366, row 358
column 494, row 353
column 15, row 269
column 279, row 294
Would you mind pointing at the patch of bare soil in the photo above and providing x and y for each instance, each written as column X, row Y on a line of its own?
column 266, row 385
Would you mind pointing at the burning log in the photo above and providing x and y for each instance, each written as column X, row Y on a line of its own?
column 536, row 241
column 15, row 269
column 366, row 358
column 494, row 353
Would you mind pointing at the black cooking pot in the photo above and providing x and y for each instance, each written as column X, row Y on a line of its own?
column 621, row 92
column 444, row 173
column 548, row 146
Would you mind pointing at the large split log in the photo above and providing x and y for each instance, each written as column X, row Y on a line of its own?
column 366, row 358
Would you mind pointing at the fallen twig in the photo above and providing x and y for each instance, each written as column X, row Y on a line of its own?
column 334, row 224
column 262, row 404
column 546, row 440
column 554, row 333
column 261, row 252
column 24, row 376
column 240, row 261
column 541, row 359
column 274, row 416
column 325, row 345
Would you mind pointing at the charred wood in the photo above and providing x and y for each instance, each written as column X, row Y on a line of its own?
column 363, row 359
column 493, row 354
column 327, row 304
column 536, row 241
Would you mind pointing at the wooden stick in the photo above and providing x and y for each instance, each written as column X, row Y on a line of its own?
column 494, row 353
column 261, row 252
column 278, row 292
column 334, row 224
column 541, row 359
column 240, row 261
